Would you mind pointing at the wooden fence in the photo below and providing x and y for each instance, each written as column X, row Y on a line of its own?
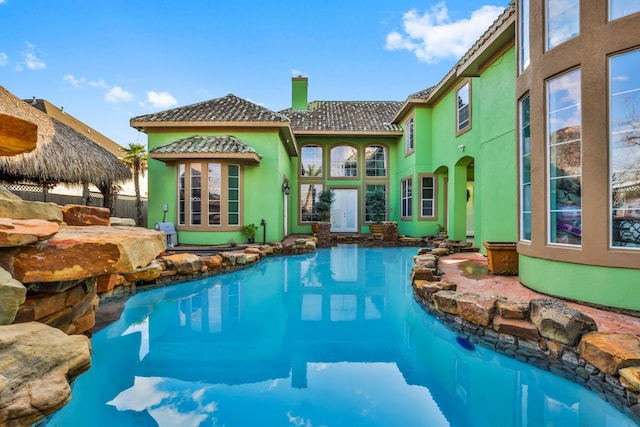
column 124, row 206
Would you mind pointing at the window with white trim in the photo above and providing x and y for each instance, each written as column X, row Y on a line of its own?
column 562, row 21
column 375, row 157
column 344, row 161
column 409, row 136
column 427, row 196
column 463, row 108
column 370, row 189
column 564, row 159
column 406, row 195
column 311, row 161
column 624, row 149
column 309, row 195
column 525, row 168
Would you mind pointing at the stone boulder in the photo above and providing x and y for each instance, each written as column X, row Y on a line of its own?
column 475, row 308
column 12, row 295
column 516, row 327
column 630, row 378
column 144, row 274
column 425, row 290
column 446, row 301
column 85, row 215
column 122, row 222
column 12, row 206
column 184, row 263
column 21, row 232
column 213, row 262
column 512, row 310
column 38, row 363
column 557, row 321
column 82, row 252
column 609, row 351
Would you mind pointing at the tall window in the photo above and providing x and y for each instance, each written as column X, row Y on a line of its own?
column 233, row 195
column 181, row 194
column 309, row 194
column 523, row 35
column 344, row 161
column 427, row 196
column 311, row 161
column 564, row 146
column 370, row 189
column 213, row 190
column 406, row 194
column 375, row 160
column 215, row 193
column 408, row 137
column 525, row 169
column 620, row 8
column 563, row 21
column 624, row 145
column 196, row 194
column 463, row 116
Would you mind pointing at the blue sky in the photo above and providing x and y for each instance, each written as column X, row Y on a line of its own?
column 108, row 61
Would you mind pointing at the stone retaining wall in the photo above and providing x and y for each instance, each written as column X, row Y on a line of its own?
column 545, row 333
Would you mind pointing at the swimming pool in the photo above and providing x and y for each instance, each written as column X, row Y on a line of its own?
column 332, row 338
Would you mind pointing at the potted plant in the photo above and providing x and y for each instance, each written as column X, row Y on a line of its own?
column 323, row 207
column 377, row 205
column 249, row 231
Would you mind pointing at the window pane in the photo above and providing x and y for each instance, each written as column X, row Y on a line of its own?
column 181, row 194
column 196, row 194
column 620, row 8
column 427, row 195
column 624, row 146
column 408, row 136
column 344, row 161
column 311, row 160
column 564, row 146
column 523, row 41
column 563, row 21
column 215, row 193
column 407, row 197
column 233, row 195
column 375, row 160
column 309, row 194
column 463, row 117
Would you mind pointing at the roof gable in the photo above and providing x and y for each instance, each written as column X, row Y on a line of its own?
column 202, row 146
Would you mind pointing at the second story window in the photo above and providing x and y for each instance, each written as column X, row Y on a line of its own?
column 311, row 161
column 344, row 161
column 523, row 35
column 463, row 107
column 620, row 8
column 406, row 195
column 562, row 21
column 408, row 137
column 375, row 160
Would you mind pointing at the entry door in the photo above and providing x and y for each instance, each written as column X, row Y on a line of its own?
column 344, row 214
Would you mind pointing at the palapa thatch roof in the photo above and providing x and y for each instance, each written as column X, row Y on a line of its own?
column 62, row 154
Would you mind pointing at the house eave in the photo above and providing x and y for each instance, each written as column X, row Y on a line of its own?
column 388, row 134
column 247, row 158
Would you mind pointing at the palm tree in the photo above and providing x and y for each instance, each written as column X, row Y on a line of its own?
column 136, row 158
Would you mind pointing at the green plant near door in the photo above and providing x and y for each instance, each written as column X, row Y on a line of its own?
column 249, row 231
column 323, row 205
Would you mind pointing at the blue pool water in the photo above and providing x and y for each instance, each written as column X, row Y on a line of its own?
column 332, row 338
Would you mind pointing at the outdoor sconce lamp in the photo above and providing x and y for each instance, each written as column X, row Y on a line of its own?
column 285, row 187
column 461, row 147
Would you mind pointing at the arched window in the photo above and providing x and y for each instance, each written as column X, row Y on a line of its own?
column 344, row 161
column 311, row 161
column 375, row 158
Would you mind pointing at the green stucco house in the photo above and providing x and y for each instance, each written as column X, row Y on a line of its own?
column 473, row 154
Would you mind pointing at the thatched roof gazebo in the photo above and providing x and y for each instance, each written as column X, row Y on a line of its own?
column 61, row 155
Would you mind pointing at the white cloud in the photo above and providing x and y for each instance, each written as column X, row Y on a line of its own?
column 31, row 60
column 4, row 59
column 433, row 36
column 161, row 99
column 117, row 95
column 73, row 80
column 99, row 84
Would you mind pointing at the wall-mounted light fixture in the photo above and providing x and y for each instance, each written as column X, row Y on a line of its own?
column 285, row 187
column 461, row 147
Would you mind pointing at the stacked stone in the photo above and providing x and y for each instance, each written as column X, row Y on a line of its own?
column 324, row 234
column 390, row 233
column 544, row 332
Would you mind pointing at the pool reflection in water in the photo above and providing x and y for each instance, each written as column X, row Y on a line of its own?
column 332, row 338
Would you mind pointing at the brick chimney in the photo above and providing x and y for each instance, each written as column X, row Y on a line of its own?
column 299, row 86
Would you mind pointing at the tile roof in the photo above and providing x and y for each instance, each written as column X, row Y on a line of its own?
column 423, row 94
column 345, row 116
column 229, row 108
column 200, row 144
